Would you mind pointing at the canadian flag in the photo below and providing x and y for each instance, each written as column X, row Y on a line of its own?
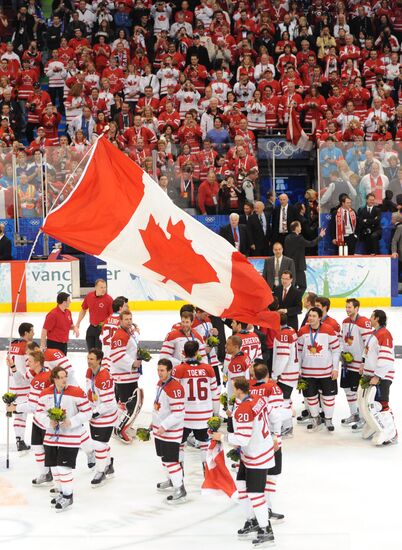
column 120, row 214
column 217, row 476
column 296, row 134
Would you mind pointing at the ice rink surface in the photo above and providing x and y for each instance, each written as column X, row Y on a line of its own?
column 337, row 491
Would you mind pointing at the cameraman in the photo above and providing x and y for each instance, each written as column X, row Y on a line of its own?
column 369, row 223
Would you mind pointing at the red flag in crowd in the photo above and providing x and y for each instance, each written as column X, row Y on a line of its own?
column 296, row 134
column 120, row 214
column 217, row 476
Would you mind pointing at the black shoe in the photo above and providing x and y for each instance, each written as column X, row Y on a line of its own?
column 21, row 445
column 276, row 518
column 251, row 526
column 63, row 502
column 109, row 472
column 305, row 413
column 264, row 536
column 91, row 461
column 98, row 480
column 322, row 414
column 43, row 479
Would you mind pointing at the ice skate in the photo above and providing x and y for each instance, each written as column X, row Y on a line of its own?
column 358, row 425
column 304, row 417
column 43, row 480
column 315, row 424
column 109, row 472
column 55, row 500
column 178, row 496
column 164, row 485
column 98, row 480
column 328, row 424
column 22, row 447
column 63, row 503
column 264, row 536
column 287, row 432
column 122, row 435
column 251, row 526
column 350, row 420
column 276, row 518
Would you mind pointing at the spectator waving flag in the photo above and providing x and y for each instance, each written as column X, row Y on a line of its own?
column 296, row 134
column 217, row 476
column 120, row 214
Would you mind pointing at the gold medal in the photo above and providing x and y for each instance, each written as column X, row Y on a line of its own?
column 366, row 350
column 313, row 350
column 349, row 340
column 94, row 397
column 185, row 195
column 157, row 406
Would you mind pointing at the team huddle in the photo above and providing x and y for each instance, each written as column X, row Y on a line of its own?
column 251, row 390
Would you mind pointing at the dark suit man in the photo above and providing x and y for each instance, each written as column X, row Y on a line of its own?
column 248, row 209
column 295, row 248
column 282, row 216
column 369, row 223
column 125, row 118
column 259, row 231
column 276, row 265
column 5, row 245
column 344, row 225
column 289, row 298
column 235, row 234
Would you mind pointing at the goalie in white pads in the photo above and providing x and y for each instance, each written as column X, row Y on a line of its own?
column 379, row 367
column 125, row 370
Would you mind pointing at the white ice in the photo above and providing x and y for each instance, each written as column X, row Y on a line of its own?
column 337, row 491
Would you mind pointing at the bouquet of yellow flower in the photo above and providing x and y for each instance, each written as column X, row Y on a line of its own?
column 214, row 423
column 347, row 357
column 301, row 384
column 143, row 355
column 9, row 398
column 365, row 382
column 234, row 455
column 213, row 341
column 57, row 414
column 224, row 400
column 143, row 434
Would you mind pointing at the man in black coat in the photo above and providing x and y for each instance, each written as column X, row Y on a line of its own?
column 275, row 265
column 283, row 215
column 5, row 245
column 369, row 223
column 200, row 51
column 235, row 234
column 248, row 209
column 259, row 231
column 295, row 248
column 289, row 298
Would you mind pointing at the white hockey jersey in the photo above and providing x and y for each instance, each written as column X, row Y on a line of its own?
column 169, row 411
column 56, row 358
column 109, row 328
column 285, row 362
column 122, row 357
column 100, row 391
column 379, row 355
column 354, row 337
column 19, row 384
column 318, row 351
column 38, row 382
column 173, row 346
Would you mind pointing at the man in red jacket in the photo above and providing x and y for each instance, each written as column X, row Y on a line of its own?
column 208, row 194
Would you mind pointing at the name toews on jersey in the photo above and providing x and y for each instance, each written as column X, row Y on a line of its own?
column 285, row 362
column 201, row 393
column 100, row 391
column 379, row 355
column 252, row 433
column 354, row 338
column 78, row 411
column 319, row 351
column 168, row 411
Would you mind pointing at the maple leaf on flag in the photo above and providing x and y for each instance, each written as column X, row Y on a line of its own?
column 174, row 257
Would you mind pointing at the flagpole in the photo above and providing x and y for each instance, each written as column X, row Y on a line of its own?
column 23, row 276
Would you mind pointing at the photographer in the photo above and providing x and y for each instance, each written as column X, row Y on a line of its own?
column 231, row 195
column 369, row 223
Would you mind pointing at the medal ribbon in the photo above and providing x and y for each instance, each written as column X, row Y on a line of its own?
column 313, row 337
column 160, row 389
column 57, row 403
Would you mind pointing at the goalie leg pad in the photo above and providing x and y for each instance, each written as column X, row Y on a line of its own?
column 380, row 423
column 132, row 409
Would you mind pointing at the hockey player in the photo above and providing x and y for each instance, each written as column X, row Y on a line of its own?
column 379, row 365
column 110, row 326
column 17, row 356
column 356, row 330
column 324, row 304
column 62, row 440
column 262, row 386
column 252, row 434
column 319, row 350
column 239, row 362
column 251, row 344
column 167, row 428
column 204, row 327
column 100, row 391
column 286, row 367
column 173, row 346
column 39, row 378
column 125, row 372
column 201, row 397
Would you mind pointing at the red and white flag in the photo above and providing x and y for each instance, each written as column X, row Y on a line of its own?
column 295, row 133
column 217, row 476
column 120, row 214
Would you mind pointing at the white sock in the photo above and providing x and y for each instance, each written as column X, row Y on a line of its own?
column 260, row 508
column 313, row 405
column 39, row 452
column 101, row 455
column 244, row 500
column 87, row 445
column 56, row 478
column 328, row 404
column 203, row 448
column 66, row 480
column 270, row 490
column 181, row 452
column 19, row 425
column 175, row 473
column 351, row 396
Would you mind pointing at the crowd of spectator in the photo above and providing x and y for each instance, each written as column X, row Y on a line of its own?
column 186, row 87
